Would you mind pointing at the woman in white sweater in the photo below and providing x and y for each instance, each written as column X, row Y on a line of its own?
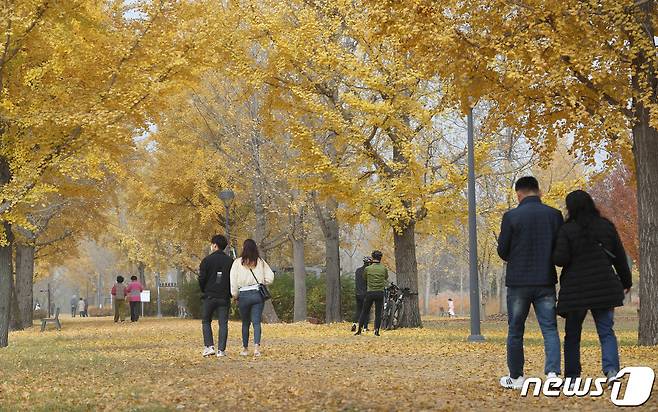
column 246, row 273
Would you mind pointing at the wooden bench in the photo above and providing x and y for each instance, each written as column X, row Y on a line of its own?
column 54, row 320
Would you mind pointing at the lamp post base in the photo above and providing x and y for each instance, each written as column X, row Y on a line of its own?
column 476, row 338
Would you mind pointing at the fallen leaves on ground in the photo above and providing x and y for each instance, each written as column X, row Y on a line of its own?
column 156, row 364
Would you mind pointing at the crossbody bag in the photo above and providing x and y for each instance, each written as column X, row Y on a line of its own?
column 262, row 289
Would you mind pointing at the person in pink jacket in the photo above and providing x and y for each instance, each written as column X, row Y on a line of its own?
column 134, row 291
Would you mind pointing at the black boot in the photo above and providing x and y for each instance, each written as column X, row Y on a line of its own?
column 354, row 327
column 358, row 332
column 377, row 332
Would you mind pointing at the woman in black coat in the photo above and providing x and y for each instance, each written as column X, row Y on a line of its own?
column 588, row 248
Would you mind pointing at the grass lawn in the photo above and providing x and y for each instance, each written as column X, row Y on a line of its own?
column 94, row 364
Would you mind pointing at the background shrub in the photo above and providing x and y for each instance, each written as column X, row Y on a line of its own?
column 95, row 311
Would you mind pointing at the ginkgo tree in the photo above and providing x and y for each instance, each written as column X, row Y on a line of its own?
column 367, row 127
column 83, row 74
column 568, row 68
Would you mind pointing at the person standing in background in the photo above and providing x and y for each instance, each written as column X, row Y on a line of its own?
column 81, row 308
column 360, row 289
column 451, row 308
column 86, row 308
column 119, row 294
column 376, row 276
column 74, row 305
column 134, row 291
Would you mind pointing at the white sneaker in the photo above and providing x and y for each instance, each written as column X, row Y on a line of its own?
column 551, row 375
column 208, row 351
column 244, row 352
column 221, row 354
column 508, row 383
column 256, row 350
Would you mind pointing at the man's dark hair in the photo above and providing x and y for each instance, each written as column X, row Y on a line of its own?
column 527, row 184
column 377, row 256
column 220, row 241
column 133, row 277
column 119, row 279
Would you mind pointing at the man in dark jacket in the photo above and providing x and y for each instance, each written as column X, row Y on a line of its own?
column 360, row 289
column 214, row 281
column 526, row 241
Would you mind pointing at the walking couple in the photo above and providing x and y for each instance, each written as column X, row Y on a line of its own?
column 595, row 277
column 220, row 279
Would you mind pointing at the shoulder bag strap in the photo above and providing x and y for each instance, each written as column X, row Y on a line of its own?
column 254, row 275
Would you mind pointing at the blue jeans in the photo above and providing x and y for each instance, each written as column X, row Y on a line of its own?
column 251, row 307
column 605, row 321
column 519, row 299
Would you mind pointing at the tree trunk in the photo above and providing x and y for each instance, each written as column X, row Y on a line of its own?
column 426, row 299
column 502, row 291
column 141, row 268
column 330, row 229
column 299, row 270
column 180, row 299
column 407, row 273
column 25, row 282
column 645, row 139
column 645, row 148
column 269, row 314
column 15, row 321
column 5, row 286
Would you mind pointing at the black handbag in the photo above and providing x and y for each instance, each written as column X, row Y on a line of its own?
column 262, row 289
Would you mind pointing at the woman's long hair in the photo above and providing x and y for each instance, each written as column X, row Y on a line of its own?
column 250, row 253
column 581, row 209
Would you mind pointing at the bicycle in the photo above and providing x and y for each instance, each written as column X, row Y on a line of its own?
column 394, row 306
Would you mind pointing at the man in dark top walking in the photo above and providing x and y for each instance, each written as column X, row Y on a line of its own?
column 526, row 241
column 214, row 281
column 360, row 289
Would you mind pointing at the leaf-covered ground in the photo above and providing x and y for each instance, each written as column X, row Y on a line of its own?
column 94, row 364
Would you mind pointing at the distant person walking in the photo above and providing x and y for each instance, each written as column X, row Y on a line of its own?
column 86, row 308
column 376, row 276
column 247, row 272
column 74, row 305
column 361, row 289
column 119, row 294
column 451, row 308
column 526, row 241
column 81, row 308
column 595, row 278
column 134, row 291
column 215, row 284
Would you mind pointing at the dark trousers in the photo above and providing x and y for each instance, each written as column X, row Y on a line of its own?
column 251, row 307
column 73, row 309
column 359, row 308
column 212, row 306
column 604, row 320
column 134, row 311
column 378, row 299
column 519, row 300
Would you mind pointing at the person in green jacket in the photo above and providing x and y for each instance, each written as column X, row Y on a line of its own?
column 376, row 276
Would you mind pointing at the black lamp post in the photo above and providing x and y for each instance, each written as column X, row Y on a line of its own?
column 227, row 196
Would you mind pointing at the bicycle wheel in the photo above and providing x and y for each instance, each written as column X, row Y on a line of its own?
column 387, row 317
column 397, row 316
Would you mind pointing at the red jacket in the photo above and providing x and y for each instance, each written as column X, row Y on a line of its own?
column 134, row 290
column 122, row 291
